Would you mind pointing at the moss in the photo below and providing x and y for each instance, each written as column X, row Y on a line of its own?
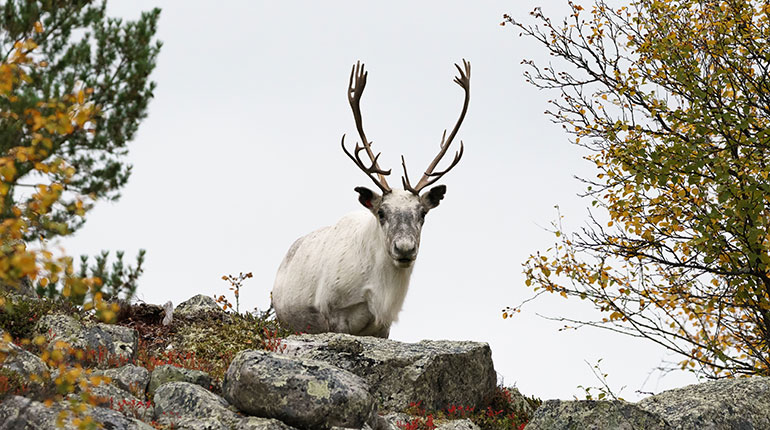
column 216, row 340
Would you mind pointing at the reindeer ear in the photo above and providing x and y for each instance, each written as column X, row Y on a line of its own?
column 368, row 198
column 433, row 197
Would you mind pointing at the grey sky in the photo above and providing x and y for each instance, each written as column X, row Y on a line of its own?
column 240, row 156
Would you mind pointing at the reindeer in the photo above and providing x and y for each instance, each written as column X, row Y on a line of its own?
column 352, row 277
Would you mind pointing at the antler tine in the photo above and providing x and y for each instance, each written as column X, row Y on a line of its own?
column 405, row 178
column 355, row 90
column 429, row 177
column 373, row 169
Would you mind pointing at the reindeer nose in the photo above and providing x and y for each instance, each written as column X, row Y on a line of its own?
column 405, row 249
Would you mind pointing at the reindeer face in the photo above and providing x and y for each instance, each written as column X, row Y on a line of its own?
column 400, row 215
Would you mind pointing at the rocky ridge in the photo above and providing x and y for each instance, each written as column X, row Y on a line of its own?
column 333, row 381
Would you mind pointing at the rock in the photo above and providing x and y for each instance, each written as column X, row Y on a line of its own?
column 117, row 341
column 57, row 327
column 742, row 403
column 22, row 288
column 464, row 424
column 438, row 373
column 112, row 397
column 248, row 423
column 168, row 313
column 303, row 393
column 168, row 373
column 111, row 344
column 392, row 420
column 182, row 403
column 365, row 427
column 594, row 415
column 396, row 421
column 29, row 367
column 108, row 418
column 196, row 305
column 520, row 404
column 131, row 378
column 200, row 424
column 19, row 413
column 254, row 423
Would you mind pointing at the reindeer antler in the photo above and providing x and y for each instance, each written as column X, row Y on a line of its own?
column 355, row 89
column 429, row 177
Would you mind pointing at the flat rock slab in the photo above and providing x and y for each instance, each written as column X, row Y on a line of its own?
column 438, row 373
column 742, row 403
column 594, row 415
column 183, row 401
column 303, row 393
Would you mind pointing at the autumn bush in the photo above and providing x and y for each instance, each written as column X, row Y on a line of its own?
column 671, row 101
column 503, row 411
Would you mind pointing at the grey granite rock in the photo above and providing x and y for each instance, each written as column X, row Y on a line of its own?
column 23, row 288
column 118, row 399
column 131, row 378
column 303, row 393
column 183, row 403
column 195, row 305
column 438, row 373
column 168, row 373
column 396, row 421
column 255, row 423
column 117, row 341
column 594, row 415
column 22, row 362
column 57, row 327
column 742, row 403
column 19, row 413
column 464, row 424
column 111, row 342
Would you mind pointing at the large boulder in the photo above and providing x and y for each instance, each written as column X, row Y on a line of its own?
column 182, row 404
column 438, row 373
column 594, row 415
column 742, row 403
column 303, row 393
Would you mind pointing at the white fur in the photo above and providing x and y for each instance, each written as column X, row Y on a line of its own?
column 341, row 279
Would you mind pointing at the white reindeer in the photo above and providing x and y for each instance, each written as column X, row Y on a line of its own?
column 352, row 277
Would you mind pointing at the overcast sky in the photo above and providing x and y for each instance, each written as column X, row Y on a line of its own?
column 240, row 156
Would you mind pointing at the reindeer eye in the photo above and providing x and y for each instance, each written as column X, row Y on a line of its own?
column 381, row 215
